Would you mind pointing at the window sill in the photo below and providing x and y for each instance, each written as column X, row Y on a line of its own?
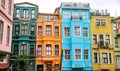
column 77, row 36
column 66, row 60
column 66, row 37
column 78, row 60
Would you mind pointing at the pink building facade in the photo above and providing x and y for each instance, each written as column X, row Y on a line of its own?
column 6, row 21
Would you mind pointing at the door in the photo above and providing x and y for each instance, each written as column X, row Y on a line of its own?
column 49, row 67
column 40, row 68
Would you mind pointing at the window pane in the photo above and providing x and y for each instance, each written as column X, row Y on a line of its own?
column 39, row 50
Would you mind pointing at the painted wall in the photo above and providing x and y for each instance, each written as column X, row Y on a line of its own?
column 73, row 42
column 102, row 30
column 46, row 39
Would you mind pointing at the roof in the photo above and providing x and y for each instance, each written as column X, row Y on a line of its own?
column 22, row 3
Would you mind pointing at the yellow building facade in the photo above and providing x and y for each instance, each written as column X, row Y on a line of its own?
column 102, row 42
column 48, row 42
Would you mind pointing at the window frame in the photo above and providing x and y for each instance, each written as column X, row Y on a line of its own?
column 33, row 51
column 57, row 32
column 97, row 22
column 85, row 32
column 78, row 54
column 105, row 58
column 67, row 32
column 103, row 22
column 94, row 39
column 1, row 32
column 39, row 50
column 49, row 30
column 86, row 54
column 24, row 29
column 58, row 49
column 24, row 50
column 8, row 35
column 48, row 50
column 66, row 12
column 68, row 55
column 76, row 32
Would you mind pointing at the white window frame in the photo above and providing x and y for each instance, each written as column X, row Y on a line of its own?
column 84, row 14
column 59, row 49
column 75, row 15
column 67, row 32
column 93, row 38
column 1, row 30
column 103, row 22
column 78, row 54
column 65, row 54
column 104, row 57
column 66, row 12
column 58, row 31
column 39, row 50
column 86, row 33
column 98, row 58
column 88, row 54
column 77, row 31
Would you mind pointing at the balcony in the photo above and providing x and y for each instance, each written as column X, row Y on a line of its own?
column 118, row 31
column 103, row 45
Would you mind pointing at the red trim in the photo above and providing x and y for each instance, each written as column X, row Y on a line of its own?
column 3, row 65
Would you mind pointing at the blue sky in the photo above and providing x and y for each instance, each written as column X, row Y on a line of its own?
column 48, row 6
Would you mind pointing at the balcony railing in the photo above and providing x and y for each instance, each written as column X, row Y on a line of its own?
column 118, row 31
column 103, row 44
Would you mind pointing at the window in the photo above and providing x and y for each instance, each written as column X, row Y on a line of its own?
column 3, row 2
column 49, row 67
column 25, row 13
column 84, row 14
column 94, row 39
column 39, row 30
column 97, row 22
column 31, row 49
column 16, row 29
column 24, row 29
column 67, row 54
column 17, row 13
column 103, row 22
column 75, row 16
column 116, row 42
column 57, row 68
column 8, row 35
column 56, row 50
column 78, row 54
column 104, row 58
column 33, row 13
column 10, row 6
column 101, row 37
column 114, row 26
column 110, row 57
column 1, row 31
column 56, row 30
column 39, row 50
column 86, row 53
column 66, row 14
column 67, row 32
column 77, row 31
column 85, row 32
column 48, row 49
column 117, row 60
column 23, row 49
column 32, row 30
column 108, row 39
column 96, row 57
column 15, row 51
column 48, row 30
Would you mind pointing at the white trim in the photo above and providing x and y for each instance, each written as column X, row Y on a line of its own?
column 87, row 32
column 59, row 49
column 45, row 49
column 59, row 30
column 37, row 50
column 88, row 54
column 96, row 38
column 79, row 30
column 64, row 54
column 80, row 54
column 107, row 58
column 69, row 32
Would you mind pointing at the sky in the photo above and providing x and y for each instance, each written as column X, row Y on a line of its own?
column 48, row 6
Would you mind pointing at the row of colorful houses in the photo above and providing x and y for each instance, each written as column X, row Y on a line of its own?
column 73, row 38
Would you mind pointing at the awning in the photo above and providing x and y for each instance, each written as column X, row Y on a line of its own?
column 3, row 65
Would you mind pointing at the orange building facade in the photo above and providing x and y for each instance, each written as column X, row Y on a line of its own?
column 48, row 42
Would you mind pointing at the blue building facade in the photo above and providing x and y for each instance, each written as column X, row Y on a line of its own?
column 76, row 47
column 24, row 34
